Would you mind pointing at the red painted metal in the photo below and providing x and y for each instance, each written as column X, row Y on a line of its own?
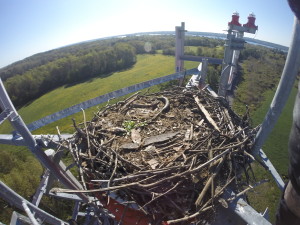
column 129, row 216
column 251, row 21
column 235, row 19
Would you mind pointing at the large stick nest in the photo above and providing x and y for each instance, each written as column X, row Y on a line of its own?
column 172, row 153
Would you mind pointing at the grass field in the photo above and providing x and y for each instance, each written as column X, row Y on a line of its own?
column 276, row 148
column 147, row 67
column 276, row 145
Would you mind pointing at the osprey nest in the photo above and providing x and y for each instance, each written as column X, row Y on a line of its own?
column 171, row 153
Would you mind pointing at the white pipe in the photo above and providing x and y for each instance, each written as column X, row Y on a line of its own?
column 29, row 214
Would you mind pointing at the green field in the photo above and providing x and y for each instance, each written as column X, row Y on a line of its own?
column 147, row 67
column 276, row 148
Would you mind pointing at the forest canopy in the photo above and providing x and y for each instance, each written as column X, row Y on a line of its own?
column 34, row 76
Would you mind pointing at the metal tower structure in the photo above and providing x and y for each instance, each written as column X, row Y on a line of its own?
column 238, row 211
column 234, row 44
column 179, row 47
column 180, row 57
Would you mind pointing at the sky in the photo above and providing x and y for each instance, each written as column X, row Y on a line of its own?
column 32, row 26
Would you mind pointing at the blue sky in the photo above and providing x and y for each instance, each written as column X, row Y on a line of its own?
column 32, row 26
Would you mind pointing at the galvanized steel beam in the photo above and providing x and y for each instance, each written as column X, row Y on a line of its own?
column 284, row 88
column 16, row 200
column 272, row 170
column 201, row 58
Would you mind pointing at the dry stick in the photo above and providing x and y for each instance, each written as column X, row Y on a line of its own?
column 197, row 151
column 192, row 132
column 248, row 154
column 145, row 105
column 101, row 161
column 229, row 119
column 174, row 204
column 186, row 218
column 207, row 137
column 247, row 189
column 163, row 150
column 124, row 160
column 206, row 113
column 138, row 184
column 131, row 99
column 193, row 162
column 204, row 207
column 166, row 106
column 112, row 175
column 210, row 155
column 162, row 194
column 230, row 146
column 209, row 182
column 104, row 153
column 141, row 174
column 87, row 134
column 223, row 148
column 78, row 129
column 78, row 164
column 218, row 193
column 132, row 96
column 58, row 132
column 108, row 141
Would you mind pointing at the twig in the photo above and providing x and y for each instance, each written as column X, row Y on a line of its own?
column 186, row 218
column 124, row 160
column 166, row 107
column 206, row 113
column 131, row 99
column 175, row 186
column 87, row 134
column 112, row 175
column 247, row 189
column 180, row 175
column 208, row 183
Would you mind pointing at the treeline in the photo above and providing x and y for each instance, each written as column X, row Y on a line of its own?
column 81, row 49
column 69, row 69
column 34, row 76
column 203, row 41
column 200, row 46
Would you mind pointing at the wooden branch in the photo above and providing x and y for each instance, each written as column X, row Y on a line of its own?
column 180, row 175
column 186, row 218
column 248, row 189
column 166, row 107
column 209, row 182
column 163, row 194
column 206, row 113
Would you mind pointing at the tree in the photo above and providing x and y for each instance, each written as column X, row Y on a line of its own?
column 199, row 51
